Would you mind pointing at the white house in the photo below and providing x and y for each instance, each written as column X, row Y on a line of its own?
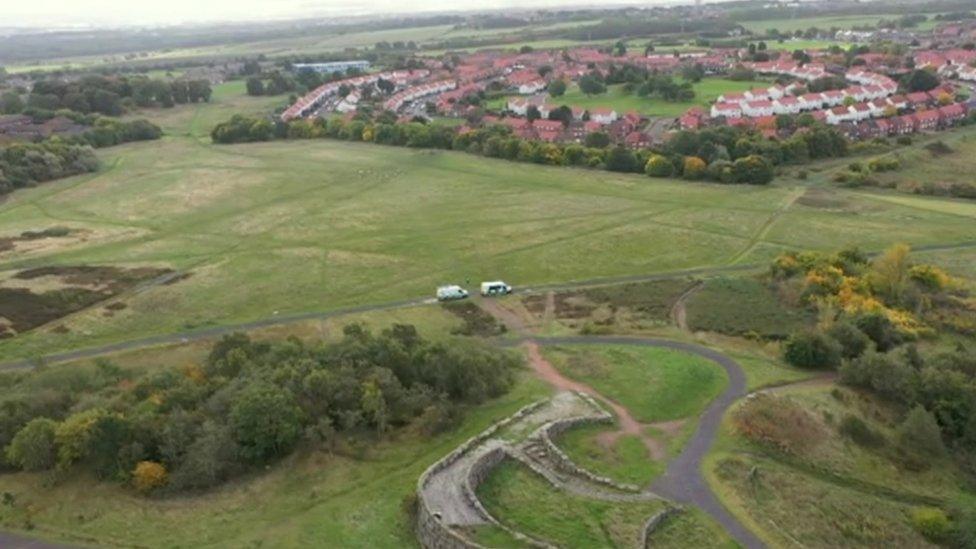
column 755, row 109
column 728, row 110
column 534, row 86
column 811, row 101
column 837, row 115
column 786, row 105
column 603, row 115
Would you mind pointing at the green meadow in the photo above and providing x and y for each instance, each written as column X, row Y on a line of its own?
column 288, row 227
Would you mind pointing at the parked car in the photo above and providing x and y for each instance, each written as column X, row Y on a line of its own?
column 495, row 288
column 450, row 293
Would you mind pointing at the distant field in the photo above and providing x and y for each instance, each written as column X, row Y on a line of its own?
column 616, row 98
column 828, row 22
column 289, row 227
column 319, row 43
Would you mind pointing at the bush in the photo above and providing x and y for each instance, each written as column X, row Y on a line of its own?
column 33, row 448
column 812, row 350
column 753, row 170
column 853, row 342
column 932, row 523
column 694, row 168
column 778, row 423
column 920, row 439
column 148, row 476
column 855, row 429
column 658, row 166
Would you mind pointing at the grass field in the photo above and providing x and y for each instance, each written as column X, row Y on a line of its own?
column 288, row 227
column 616, row 98
column 654, row 384
column 827, row 22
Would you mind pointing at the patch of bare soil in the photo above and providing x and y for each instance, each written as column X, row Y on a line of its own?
column 79, row 287
column 9, row 243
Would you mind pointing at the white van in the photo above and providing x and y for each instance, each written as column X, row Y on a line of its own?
column 495, row 288
column 450, row 293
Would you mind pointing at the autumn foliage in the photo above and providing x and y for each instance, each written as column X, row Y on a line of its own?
column 149, row 475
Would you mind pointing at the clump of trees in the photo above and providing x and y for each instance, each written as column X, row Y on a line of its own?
column 245, row 406
column 27, row 164
column 111, row 95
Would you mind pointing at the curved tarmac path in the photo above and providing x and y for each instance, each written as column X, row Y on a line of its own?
column 683, row 481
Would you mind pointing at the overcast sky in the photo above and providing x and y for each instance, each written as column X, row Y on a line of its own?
column 151, row 12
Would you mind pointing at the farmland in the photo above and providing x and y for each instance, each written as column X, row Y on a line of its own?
column 347, row 226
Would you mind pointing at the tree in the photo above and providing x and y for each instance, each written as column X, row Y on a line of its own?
column 557, row 88
column 148, row 476
column 853, row 342
column 889, row 273
column 266, row 421
column 919, row 437
column 597, row 140
column 919, row 80
column 255, row 86
column 693, row 73
column 694, row 168
column 73, row 436
column 591, row 85
column 33, row 448
column 753, row 170
column 11, row 103
column 621, row 159
column 658, row 166
column 812, row 350
column 532, row 113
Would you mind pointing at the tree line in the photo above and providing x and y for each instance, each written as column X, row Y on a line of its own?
column 246, row 405
column 108, row 95
column 27, row 164
column 722, row 154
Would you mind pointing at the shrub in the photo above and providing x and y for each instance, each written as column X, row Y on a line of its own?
column 148, row 476
column 753, row 170
column 778, row 423
column 855, row 429
column 32, row 448
column 919, row 435
column 932, row 523
column 853, row 342
column 658, row 166
column 694, row 168
column 812, row 350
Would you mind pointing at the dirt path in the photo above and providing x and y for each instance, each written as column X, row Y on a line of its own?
column 679, row 312
column 628, row 423
column 682, row 481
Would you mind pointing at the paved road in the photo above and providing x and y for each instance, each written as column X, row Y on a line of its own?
column 11, row 541
column 683, row 481
column 217, row 331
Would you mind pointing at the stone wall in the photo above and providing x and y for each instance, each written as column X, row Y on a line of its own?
column 654, row 522
column 431, row 531
column 560, row 459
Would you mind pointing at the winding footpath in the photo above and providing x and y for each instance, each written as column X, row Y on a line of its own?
column 683, row 480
